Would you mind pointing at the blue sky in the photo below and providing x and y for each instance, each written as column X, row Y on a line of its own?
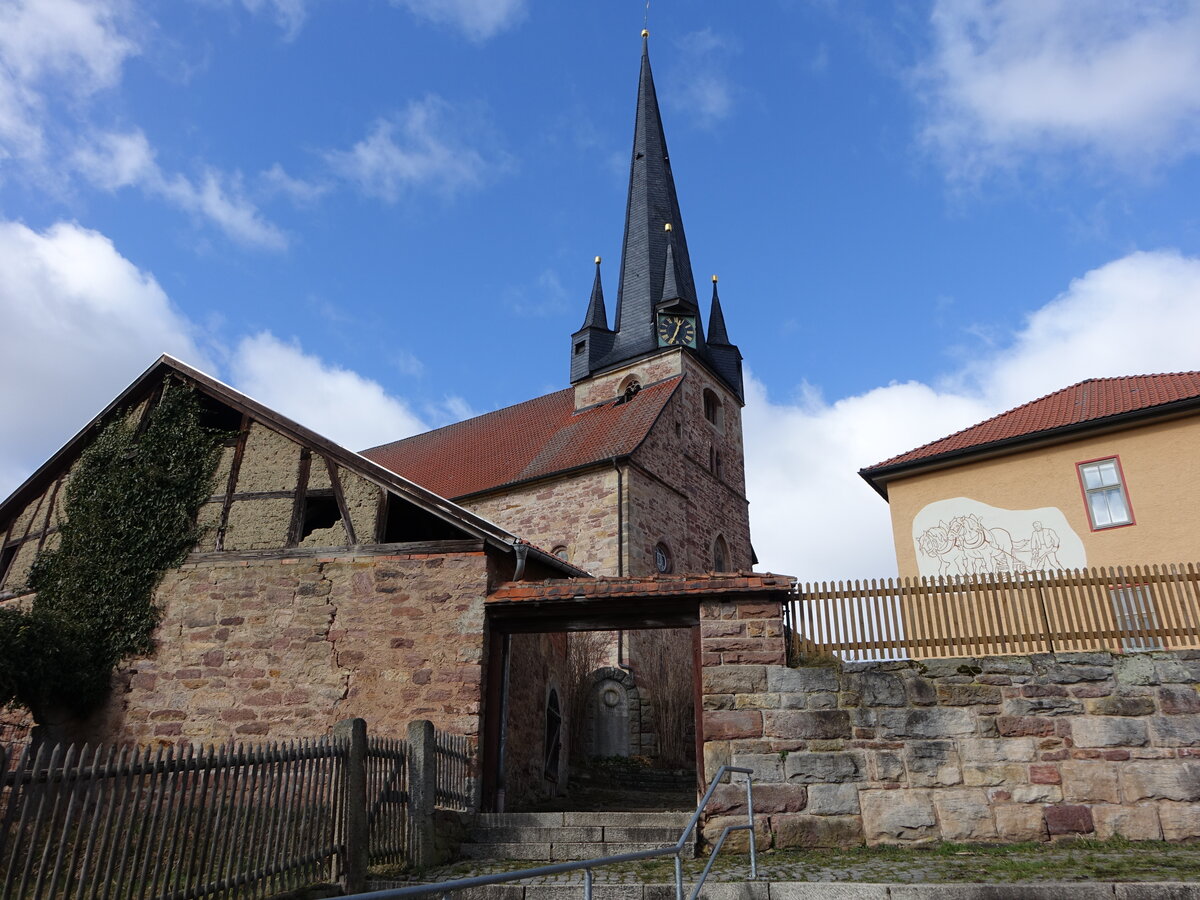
column 380, row 217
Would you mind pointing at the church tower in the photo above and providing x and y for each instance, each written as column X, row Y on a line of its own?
column 657, row 306
column 684, row 494
column 636, row 467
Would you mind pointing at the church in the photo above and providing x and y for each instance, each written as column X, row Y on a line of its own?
column 330, row 584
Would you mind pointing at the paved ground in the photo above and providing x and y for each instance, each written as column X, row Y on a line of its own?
column 1079, row 861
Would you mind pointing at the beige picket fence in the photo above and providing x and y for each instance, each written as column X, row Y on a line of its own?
column 1124, row 609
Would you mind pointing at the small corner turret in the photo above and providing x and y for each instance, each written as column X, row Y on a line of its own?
column 657, row 306
column 593, row 341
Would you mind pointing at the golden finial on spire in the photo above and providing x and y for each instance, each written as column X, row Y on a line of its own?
column 597, row 260
column 667, row 227
column 714, row 279
column 645, row 32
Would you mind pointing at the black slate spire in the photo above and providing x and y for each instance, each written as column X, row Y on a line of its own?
column 716, row 319
column 593, row 341
column 597, row 315
column 656, row 271
column 651, row 205
column 724, row 357
column 670, row 288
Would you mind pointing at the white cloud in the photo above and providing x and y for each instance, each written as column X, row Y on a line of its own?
column 425, row 147
column 290, row 14
column 275, row 181
column 478, row 20
column 342, row 405
column 64, row 49
column 117, row 160
column 1010, row 79
column 80, row 322
column 815, row 518
column 699, row 83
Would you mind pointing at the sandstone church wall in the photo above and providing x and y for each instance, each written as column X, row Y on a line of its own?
column 285, row 647
column 1006, row 748
column 706, row 493
column 577, row 512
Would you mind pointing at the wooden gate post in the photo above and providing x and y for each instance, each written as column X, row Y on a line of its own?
column 422, row 790
column 353, row 827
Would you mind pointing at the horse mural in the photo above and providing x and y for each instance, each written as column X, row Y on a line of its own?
column 985, row 549
column 937, row 543
column 968, row 547
column 959, row 536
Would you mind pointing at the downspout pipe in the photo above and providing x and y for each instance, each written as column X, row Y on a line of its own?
column 621, row 664
column 620, row 518
column 522, row 552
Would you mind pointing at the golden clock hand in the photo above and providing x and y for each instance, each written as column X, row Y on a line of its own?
column 678, row 325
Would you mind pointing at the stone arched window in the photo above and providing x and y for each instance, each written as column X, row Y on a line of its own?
column 629, row 387
column 720, row 555
column 663, row 561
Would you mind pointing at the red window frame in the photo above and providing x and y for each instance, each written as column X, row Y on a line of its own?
column 1087, row 509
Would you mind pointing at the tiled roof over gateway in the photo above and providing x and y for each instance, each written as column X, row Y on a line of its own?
column 1087, row 401
column 534, row 439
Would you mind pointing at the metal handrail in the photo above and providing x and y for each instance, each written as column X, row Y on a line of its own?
column 445, row 887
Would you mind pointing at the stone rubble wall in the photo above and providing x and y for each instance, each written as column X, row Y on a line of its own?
column 577, row 512
column 1006, row 748
column 283, row 648
column 536, row 665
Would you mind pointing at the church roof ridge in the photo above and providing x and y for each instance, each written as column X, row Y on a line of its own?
column 528, row 441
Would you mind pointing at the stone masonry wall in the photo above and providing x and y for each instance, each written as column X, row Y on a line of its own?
column 679, row 496
column 1003, row 748
column 285, row 647
column 578, row 512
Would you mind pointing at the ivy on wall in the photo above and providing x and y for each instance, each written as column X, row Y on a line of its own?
column 130, row 515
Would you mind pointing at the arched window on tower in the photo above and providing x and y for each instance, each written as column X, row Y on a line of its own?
column 720, row 554
column 629, row 387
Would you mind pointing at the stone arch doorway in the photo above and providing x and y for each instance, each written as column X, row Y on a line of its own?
column 614, row 715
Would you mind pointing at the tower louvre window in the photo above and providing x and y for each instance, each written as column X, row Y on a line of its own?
column 714, row 409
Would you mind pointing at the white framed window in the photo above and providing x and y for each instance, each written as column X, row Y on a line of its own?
column 1104, row 493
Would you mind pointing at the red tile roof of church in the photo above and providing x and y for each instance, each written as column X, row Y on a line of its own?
column 1086, row 402
column 530, row 440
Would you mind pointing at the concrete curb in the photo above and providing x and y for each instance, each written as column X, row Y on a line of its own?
column 839, row 890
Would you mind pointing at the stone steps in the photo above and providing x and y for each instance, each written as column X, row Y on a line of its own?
column 564, row 836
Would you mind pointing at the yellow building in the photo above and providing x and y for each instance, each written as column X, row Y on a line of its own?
column 1102, row 473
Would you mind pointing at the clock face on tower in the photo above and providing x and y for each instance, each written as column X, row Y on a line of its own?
column 676, row 331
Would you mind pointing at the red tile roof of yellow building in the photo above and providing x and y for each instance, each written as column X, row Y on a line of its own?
column 1086, row 403
column 531, row 440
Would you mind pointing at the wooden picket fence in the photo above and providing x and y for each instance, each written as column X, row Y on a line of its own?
column 190, row 822
column 1123, row 609
column 455, row 786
